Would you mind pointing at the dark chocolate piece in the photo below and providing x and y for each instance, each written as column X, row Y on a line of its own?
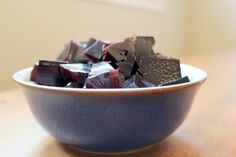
column 75, row 72
column 129, row 66
column 159, row 71
column 109, row 79
column 95, row 48
column 122, row 56
column 120, row 50
column 47, row 73
column 66, row 53
column 34, row 73
column 182, row 80
column 73, row 53
column 108, row 57
column 143, row 50
column 143, row 47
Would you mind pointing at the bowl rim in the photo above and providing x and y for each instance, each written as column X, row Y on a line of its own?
column 111, row 90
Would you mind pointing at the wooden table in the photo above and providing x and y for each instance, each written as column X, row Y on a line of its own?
column 209, row 130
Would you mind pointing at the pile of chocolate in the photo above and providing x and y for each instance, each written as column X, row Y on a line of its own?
column 131, row 63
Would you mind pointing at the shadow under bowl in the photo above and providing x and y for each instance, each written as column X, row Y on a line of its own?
column 111, row 120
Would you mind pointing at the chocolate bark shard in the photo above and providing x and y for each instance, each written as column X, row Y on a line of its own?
column 77, row 72
column 182, row 80
column 95, row 48
column 110, row 79
column 47, row 73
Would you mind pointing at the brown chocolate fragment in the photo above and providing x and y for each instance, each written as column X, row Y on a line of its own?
column 122, row 56
column 110, row 79
column 47, row 73
column 156, row 69
column 77, row 72
column 95, row 49
column 159, row 71
column 73, row 53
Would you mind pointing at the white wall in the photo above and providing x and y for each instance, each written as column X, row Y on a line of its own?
column 212, row 26
column 34, row 29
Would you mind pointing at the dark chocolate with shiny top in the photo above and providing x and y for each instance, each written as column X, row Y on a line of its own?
column 95, row 49
column 75, row 72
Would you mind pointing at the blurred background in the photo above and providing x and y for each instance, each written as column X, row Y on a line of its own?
column 37, row 29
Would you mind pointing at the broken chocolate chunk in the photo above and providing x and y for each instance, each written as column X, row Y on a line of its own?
column 129, row 66
column 182, row 80
column 120, row 50
column 110, row 79
column 95, row 49
column 34, row 73
column 122, row 56
column 75, row 72
column 73, row 53
column 143, row 47
column 47, row 73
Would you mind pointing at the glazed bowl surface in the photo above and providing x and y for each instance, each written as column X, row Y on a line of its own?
column 111, row 120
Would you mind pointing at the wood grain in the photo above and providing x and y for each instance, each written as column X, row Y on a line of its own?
column 209, row 130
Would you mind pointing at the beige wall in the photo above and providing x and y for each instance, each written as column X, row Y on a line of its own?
column 34, row 29
column 212, row 26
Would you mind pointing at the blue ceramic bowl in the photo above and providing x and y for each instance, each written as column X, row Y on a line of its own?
column 111, row 120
